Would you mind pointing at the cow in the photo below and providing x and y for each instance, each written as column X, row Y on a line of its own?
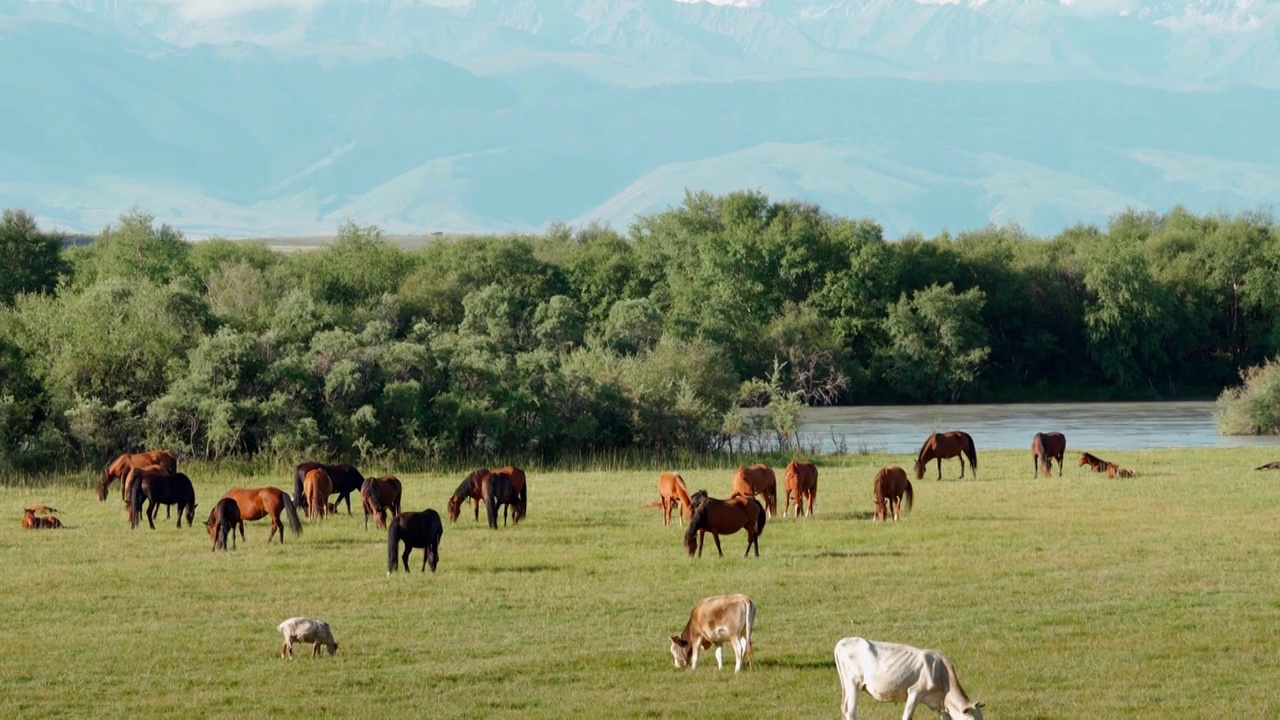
column 300, row 629
column 893, row 672
column 716, row 620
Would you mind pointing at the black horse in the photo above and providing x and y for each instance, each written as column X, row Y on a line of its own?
column 346, row 480
column 497, row 489
column 161, row 489
column 415, row 530
column 222, row 523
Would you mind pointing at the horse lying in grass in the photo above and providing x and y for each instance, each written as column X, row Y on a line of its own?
column 45, row 520
column 724, row 517
column 1097, row 464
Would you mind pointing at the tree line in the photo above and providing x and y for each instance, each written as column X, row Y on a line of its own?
column 581, row 340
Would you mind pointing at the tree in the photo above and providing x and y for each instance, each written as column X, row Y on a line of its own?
column 134, row 249
column 1125, row 317
column 32, row 259
column 937, row 342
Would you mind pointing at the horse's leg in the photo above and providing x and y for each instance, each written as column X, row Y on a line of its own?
column 960, row 458
column 475, row 504
column 702, row 538
column 151, row 511
column 405, row 558
column 939, row 468
column 717, row 539
column 424, row 560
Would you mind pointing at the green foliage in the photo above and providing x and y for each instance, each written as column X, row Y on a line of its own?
column 1253, row 407
column 134, row 249
column 937, row 341
column 32, row 260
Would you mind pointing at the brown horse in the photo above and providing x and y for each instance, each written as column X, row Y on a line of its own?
column 1045, row 447
column 891, row 485
column 469, row 489
column 725, row 517
column 316, row 487
column 941, row 446
column 1094, row 462
column 46, row 519
column 343, row 480
column 1115, row 471
column 673, row 494
column 800, row 479
column 499, row 488
column 257, row 503
column 757, row 480
column 118, row 468
column 378, row 495
column 222, row 523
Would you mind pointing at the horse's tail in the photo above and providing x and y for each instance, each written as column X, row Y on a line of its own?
column 696, row 522
column 393, row 545
column 291, row 510
column 297, row 490
column 490, row 499
column 762, row 516
column 135, row 502
column 972, row 452
column 910, row 493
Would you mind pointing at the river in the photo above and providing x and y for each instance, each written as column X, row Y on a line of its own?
column 1108, row 425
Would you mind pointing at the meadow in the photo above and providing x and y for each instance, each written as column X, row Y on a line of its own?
column 1068, row 597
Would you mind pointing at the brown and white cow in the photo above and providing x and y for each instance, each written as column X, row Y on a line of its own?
column 893, row 672
column 716, row 620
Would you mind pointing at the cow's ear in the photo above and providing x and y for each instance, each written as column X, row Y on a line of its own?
column 678, row 640
column 705, row 643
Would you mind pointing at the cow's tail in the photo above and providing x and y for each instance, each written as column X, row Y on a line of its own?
column 751, row 623
column 291, row 510
column 393, row 545
column 135, row 502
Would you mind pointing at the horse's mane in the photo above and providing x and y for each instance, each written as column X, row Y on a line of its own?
column 696, row 521
column 925, row 446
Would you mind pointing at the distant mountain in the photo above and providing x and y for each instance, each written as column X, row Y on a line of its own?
column 285, row 117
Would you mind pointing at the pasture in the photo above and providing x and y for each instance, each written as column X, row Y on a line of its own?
column 1066, row 597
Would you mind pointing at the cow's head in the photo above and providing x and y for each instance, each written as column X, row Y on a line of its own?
column 680, row 651
column 973, row 712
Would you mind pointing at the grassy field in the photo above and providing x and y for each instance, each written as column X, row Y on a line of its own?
column 1073, row 597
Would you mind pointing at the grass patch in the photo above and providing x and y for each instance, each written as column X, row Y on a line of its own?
column 1056, row 598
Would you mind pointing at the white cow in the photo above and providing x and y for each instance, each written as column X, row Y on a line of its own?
column 893, row 672
column 716, row 620
column 300, row 629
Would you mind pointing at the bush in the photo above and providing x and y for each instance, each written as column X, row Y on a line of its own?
column 1252, row 408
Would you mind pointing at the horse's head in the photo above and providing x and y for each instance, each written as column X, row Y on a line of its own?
column 433, row 556
column 191, row 514
column 1084, row 459
column 210, row 525
column 920, row 466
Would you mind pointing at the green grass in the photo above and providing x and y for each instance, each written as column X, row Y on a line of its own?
column 1078, row 597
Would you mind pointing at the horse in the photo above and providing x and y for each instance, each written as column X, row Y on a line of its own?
column 497, row 488
column 800, row 479
column 1273, row 465
column 891, row 484
column 118, row 468
column 317, row 486
column 222, row 523
column 344, row 480
column 673, row 494
column 126, row 484
column 725, row 517
column 45, row 520
column 415, row 530
column 377, row 495
column 1045, row 447
column 1094, row 462
column 518, row 481
column 469, row 489
column 941, row 446
column 257, row 503
column 161, row 489
column 1115, row 471
column 757, row 480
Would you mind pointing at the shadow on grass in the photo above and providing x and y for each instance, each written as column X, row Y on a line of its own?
column 842, row 516
column 793, row 663
column 532, row 568
column 856, row 553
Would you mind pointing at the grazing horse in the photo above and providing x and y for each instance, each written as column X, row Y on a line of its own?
column 257, row 503
column 800, row 479
column 223, row 521
column 377, row 495
column 161, row 489
column 415, row 530
column 498, row 488
column 118, row 468
column 46, row 520
column 1045, row 447
column 673, row 494
column 941, row 446
column 891, row 484
column 757, row 480
column 469, row 489
column 343, row 479
column 725, row 517
column 317, row 487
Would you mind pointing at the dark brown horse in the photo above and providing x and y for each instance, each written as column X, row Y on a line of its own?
column 801, row 480
column 223, row 521
column 257, row 503
column 757, row 480
column 377, row 496
column 415, row 530
column 118, row 468
column 890, row 486
column 317, row 486
column 469, row 489
column 499, row 488
column 161, row 489
column 1045, row 448
column 725, row 517
column 941, row 446
column 344, row 479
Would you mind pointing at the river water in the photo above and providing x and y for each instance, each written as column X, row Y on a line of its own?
column 1109, row 425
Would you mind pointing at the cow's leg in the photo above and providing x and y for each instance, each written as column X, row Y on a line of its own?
column 738, row 649
column 912, row 699
column 719, row 657
column 693, row 659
